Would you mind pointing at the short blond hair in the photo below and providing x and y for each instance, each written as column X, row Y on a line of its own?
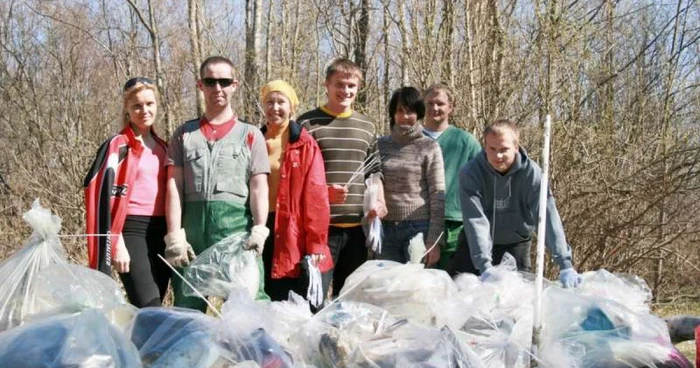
column 500, row 127
column 343, row 66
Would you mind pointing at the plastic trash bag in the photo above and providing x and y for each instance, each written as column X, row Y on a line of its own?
column 352, row 334
column 223, row 267
column 176, row 338
column 405, row 290
column 599, row 332
column 627, row 289
column 85, row 339
column 18, row 273
column 282, row 320
column 70, row 288
column 373, row 228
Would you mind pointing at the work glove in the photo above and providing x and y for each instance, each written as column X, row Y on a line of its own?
column 314, row 293
column 121, row 259
column 256, row 241
column 570, row 278
column 178, row 252
column 489, row 274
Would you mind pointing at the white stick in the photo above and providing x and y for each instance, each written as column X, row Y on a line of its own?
column 541, row 231
column 213, row 309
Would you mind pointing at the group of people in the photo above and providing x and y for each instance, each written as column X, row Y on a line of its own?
column 298, row 188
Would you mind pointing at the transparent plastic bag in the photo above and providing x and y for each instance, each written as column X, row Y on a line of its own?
column 627, row 289
column 373, row 228
column 405, row 290
column 70, row 288
column 85, row 339
column 223, row 267
column 18, row 273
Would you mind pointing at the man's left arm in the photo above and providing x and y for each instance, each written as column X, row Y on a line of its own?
column 258, row 190
column 259, row 205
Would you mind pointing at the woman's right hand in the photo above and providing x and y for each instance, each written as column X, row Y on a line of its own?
column 121, row 259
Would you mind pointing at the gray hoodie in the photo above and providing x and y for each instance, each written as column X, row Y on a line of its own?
column 503, row 209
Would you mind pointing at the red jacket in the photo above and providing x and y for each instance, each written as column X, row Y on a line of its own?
column 107, row 190
column 302, row 214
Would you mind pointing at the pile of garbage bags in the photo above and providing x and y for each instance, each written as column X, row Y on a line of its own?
column 57, row 314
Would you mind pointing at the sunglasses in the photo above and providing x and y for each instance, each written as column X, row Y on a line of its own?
column 134, row 81
column 223, row 82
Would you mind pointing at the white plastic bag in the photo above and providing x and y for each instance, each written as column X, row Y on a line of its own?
column 223, row 267
column 374, row 227
column 18, row 273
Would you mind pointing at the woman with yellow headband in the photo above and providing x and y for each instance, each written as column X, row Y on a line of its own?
column 299, row 209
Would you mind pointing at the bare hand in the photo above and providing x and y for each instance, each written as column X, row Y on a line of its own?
column 432, row 258
column 337, row 194
column 121, row 259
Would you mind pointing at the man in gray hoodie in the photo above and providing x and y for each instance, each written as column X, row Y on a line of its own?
column 499, row 193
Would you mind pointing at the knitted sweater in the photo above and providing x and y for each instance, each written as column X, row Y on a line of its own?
column 414, row 179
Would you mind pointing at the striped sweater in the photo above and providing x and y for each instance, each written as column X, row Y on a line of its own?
column 414, row 179
column 347, row 141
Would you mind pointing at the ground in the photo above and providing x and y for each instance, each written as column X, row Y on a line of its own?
column 689, row 306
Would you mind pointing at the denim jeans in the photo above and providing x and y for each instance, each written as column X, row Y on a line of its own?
column 397, row 234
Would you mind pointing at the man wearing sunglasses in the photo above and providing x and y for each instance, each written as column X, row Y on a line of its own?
column 217, row 178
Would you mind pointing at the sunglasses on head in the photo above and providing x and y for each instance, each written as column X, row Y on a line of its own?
column 133, row 81
column 223, row 82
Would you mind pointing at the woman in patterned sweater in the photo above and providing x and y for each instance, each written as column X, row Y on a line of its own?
column 414, row 181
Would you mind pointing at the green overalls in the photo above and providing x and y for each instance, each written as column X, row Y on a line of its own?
column 215, row 186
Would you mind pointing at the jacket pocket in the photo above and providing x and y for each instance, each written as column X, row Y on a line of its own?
column 233, row 171
column 194, row 168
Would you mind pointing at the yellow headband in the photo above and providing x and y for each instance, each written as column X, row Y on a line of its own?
column 279, row 85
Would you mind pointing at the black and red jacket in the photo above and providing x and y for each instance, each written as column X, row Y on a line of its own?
column 108, row 187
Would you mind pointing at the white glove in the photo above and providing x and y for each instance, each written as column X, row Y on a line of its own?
column 570, row 278
column 121, row 259
column 256, row 241
column 178, row 252
column 314, row 294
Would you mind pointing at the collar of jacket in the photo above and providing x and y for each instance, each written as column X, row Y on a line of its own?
column 294, row 131
column 136, row 144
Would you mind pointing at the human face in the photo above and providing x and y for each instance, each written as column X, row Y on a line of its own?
column 501, row 150
column 438, row 109
column 216, row 96
column 405, row 117
column 278, row 109
column 142, row 109
column 342, row 91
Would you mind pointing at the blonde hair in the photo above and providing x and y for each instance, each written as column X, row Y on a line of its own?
column 129, row 94
column 500, row 127
column 343, row 66
column 437, row 87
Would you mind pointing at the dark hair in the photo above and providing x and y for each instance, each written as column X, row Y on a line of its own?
column 408, row 97
column 217, row 59
column 343, row 66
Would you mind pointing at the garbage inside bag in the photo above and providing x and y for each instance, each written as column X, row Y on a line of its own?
column 85, row 339
column 351, row 334
column 223, row 267
column 600, row 332
column 175, row 338
column 18, row 273
column 405, row 290
column 627, row 289
column 372, row 228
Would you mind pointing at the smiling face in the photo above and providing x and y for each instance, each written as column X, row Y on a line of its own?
column 501, row 149
column 278, row 109
column 142, row 108
column 217, row 95
column 438, row 109
column 342, row 90
column 405, row 117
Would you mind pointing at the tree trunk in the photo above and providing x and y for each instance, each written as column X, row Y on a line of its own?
column 250, row 82
column 194, row 9
column 361, row 46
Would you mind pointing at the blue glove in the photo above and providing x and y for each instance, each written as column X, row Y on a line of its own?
column 570, row 278
column 489, row 274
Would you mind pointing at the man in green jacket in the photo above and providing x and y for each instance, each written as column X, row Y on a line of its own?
column 458, row 147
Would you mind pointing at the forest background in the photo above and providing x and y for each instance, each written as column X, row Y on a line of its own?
column 620, row 79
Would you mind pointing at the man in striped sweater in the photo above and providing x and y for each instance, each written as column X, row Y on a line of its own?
column 348, row 145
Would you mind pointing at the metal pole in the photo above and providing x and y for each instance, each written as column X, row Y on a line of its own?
column 541, row 230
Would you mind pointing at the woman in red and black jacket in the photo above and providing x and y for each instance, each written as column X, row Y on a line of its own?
column 125, row 200
column 299, row 209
